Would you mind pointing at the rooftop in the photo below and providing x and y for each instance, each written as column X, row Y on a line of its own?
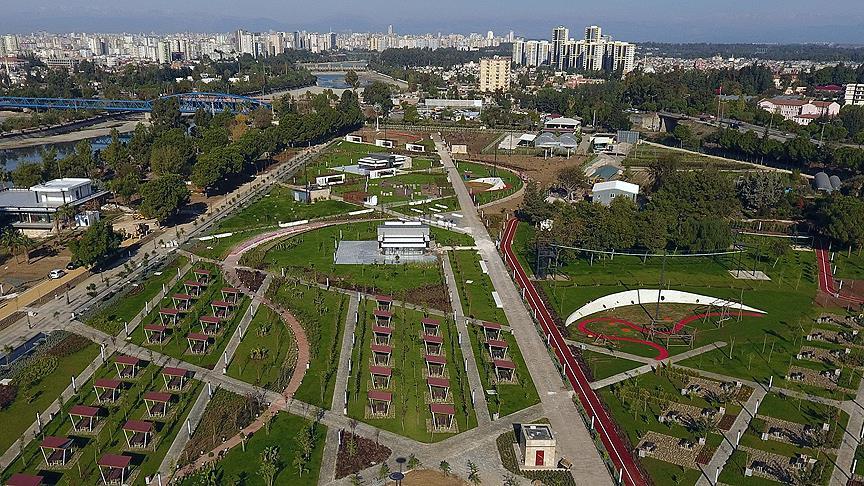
column 537, row 432
column 64, row 184
column 616, row 185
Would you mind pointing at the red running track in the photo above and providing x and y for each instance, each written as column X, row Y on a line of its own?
column 618, row 451
column 826, row 278
column 662, row 353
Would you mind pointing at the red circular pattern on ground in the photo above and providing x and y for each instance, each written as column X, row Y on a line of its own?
column 662, row 353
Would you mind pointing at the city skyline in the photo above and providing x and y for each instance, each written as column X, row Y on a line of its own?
column 660, row 20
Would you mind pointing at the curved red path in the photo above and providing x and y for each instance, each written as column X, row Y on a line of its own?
column 618, row 450
column 826, row 278
column 662, row 353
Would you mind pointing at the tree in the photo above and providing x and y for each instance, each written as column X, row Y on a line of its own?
column 534, row 207
column 474, row 473
column 685, row 137
column 761, row 191
column 27, row 175
column 572, row 178
column 115, row 153
column 14, row 241
column 215, row 165
column 125, row 186
column 841, row 218
column 99, row 241
column 411, row 115
column 261, row 118
column 166, row 159
column 444, row 466
column 162, row 198
column 380, row 94
column 352, row 79
column 165, row 114
column 269, row 466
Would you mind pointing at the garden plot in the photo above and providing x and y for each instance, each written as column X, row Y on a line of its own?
column 674, row 450
column 802, row 435
column 825, row 379
column 775, row 467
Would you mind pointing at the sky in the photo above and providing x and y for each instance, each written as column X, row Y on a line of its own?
column 771, row 21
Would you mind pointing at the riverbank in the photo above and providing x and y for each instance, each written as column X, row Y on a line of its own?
column 100, row 129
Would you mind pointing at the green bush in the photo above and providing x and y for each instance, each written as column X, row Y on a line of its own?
column 34, row 370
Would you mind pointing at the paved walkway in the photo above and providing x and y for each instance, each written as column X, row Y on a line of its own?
column 596, row 385
column 169, row 462
column 478, row 394
column 331, row 446
column 851, row 438
column 610, row 352
column 730, row 439
column 574, row 441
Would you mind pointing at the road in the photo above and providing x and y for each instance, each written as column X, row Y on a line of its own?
column 573, row 439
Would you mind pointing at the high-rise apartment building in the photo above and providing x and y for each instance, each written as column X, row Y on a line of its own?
column 854, row 95
column 494, row 74
column 531, row 53
column 560, row 37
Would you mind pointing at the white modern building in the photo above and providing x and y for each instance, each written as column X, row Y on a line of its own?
column 562, row 124
column 34, row 210
column 403, row 238
column 606, row 192
column 854, row 94
column 384, row 161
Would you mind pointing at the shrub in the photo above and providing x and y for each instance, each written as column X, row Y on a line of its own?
column 69, row 346
column 34, row 370
column 7, row 395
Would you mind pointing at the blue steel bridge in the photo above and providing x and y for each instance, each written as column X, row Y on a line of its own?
column 189, row 103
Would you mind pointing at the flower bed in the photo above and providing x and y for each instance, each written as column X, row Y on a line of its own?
column 357, row 453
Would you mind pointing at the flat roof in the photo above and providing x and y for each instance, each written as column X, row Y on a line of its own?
column 209, row 319
column 380, row 395
column 155, row 396
column 155, row 327
column 169, row 312
column 24, row 480
column 383, row 298
column 537, row 431
column 182, row 296
column 491, row 325
column 504, row 364
column 107, row 383
column 63, row 184
column 83, row 411
column 382, row 330
column 380, row 370
column 381, row 348
column 129, row 360
column 616, row 185
column 435, row 359
column 197, row 336
column 138, row 426
column 433, row 339
column 382, row 313
column 497, row 343
column 175, row 372
column 429, row 321
column 442, row 382
column 52, row 442
column 442, row 408
column 221, row 303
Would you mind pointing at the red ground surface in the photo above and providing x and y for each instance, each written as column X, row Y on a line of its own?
column 826, row 280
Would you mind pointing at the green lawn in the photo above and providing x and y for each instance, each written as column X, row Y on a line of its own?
column 409, row 411
column 110, row 319
column 849, row 266
column 311, row 255
column 176, row 344
column 442, row 206
column 408, row 186
column 22, row 412
column 242, row 467
column 322, row 315
column 644, row 155
column 604, row 366
column 475, row 287
column 109, row 438
column 266, row 332
column 473, row 170
column 277, row 206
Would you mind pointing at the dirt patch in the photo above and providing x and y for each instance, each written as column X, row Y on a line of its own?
column 425, row 477
column 474, row 141
column 434, row 296
column 401, row 137
column 366, row 453
column 15, row 272
column 536, row 168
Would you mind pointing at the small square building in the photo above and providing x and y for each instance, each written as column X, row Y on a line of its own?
column 537, row 445
column 606, row 192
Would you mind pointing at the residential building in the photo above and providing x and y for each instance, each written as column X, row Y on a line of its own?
column 562, row 124
column 560, row 38
column 801, row 111
column 854, row 94
column 595, row 52
column 494, row 74
column 606, row 192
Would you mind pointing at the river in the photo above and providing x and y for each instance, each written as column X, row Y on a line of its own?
column 11, row 158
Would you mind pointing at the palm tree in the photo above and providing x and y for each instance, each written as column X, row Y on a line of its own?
column 63, row 214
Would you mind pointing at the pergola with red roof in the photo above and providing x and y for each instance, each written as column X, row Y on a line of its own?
column 107, row 390
column 379, row 402
column 439, row 388
column 169, row 317
column 380, row 376
column 155, row 333
column 221, row 308
column 230, row 294
column 56, row 450
column 138, row 433
column 193, row 288
column 201, row 276
column 385, row 302
column 442, row 416
column 157, row 403
column 83, row 418
column 497, row 348
column 431, row 327
column 504, row 370
column 175, row 378
column 209, row 324
column 127, row 366
column 381, row 354
column 492, row 330
column 383, row 318
column 25, row 480
column 435, row 365
column 113, row 468
column 182, row 301
column 381, row 335
column 198, row 342
column 434, row 345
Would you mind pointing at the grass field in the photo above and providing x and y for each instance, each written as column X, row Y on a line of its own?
column 405, row 187
column 311, row 255
column 277, row 206
column 176, row 344
column 643, row 155
column 472, row 170
column 604, row 366
column 322, row 315
column 475, row 287
column 110, row 319
column 267, row 348
column 409, row 411
column 22, row 412
column 849, row 266
column 109, row 438
column 242, row 466
column 430, row 209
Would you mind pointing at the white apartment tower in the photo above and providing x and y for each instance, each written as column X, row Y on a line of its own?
column 494, row 74
column 560, row 37
column 854, row 95
column 595, row 52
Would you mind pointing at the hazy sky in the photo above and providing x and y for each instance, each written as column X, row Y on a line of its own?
column 637, row 20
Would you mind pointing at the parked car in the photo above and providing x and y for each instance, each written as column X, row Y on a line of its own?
column 56, row 273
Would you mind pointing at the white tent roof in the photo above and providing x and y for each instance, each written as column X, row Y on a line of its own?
column 616, row 185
